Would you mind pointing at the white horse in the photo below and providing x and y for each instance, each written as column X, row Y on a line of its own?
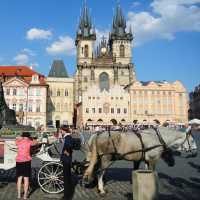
column 106, row 147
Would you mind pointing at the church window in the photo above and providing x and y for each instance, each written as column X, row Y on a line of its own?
column 122, row 50
column 93, row 110
column 100, row 110
column 104, row 81
column 58, row 93
column 112, row 110
column 86, row 51
column 66, row 92
column 125, row 110
column 118, row 110
column 87, row 110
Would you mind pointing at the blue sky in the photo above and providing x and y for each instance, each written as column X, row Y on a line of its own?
column 166, row 44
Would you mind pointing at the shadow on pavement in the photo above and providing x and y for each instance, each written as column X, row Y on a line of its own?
column 181, row 188
column 195, row 166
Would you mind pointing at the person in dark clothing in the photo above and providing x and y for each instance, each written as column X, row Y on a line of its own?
column 66, row 159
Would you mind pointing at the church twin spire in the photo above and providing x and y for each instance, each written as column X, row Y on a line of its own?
column 87, row 31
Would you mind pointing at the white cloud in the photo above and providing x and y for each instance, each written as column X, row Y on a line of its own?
column 35, row 34
column 29, row 52
column 21, row 59
column 25, row 57
column 64, row 45
column 167, row 18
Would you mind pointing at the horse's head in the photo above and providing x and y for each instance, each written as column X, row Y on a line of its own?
column 168, row 157
column 185, row 143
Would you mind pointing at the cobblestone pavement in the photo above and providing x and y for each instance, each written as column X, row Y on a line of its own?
column 181, row 182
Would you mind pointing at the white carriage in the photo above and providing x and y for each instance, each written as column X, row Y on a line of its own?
column 50, row 175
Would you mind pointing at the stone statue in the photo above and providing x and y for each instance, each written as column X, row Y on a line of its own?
column 7, row 116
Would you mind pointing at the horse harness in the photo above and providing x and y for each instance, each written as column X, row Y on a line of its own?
column 143, row 150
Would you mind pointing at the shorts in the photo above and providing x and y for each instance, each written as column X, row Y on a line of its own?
column 23, row 169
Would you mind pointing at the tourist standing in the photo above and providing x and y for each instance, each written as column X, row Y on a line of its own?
column 66, row 159
column 23, row 162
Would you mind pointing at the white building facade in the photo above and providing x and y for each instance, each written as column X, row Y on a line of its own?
column 28, row 99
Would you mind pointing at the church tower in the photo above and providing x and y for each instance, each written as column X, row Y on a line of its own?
column 85, row 38
column 120, row 40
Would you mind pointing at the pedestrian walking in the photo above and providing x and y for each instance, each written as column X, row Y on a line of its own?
column 66, row 159
column 23, row 163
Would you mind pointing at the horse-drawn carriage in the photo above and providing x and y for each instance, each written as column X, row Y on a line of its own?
column 50, row 174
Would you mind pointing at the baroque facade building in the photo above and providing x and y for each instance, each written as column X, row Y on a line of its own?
column 25, row 92
column 105, row 72
column 60, row 100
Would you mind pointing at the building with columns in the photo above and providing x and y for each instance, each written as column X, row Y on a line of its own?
column 25, row 92
column 60, row 100
column 105, row 81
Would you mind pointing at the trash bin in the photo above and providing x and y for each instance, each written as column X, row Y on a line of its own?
column 145, row 185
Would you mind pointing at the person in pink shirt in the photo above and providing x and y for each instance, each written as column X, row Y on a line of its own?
column 23, row 162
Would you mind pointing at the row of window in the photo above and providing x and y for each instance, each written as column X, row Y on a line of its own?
column 117, row 98
column 145, row 92
column 15, row 92
column 153, row 111
column 22, row 107
column 21, row 92
column 112, row 110
column 59, row 93
column 59, row 107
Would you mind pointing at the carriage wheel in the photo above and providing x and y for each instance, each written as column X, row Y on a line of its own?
column 50, row 178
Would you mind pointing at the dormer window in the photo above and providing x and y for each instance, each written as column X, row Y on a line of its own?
column 35, row 78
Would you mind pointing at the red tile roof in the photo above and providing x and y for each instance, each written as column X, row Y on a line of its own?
column 23, row 71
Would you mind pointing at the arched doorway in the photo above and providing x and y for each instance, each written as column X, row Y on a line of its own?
column 113, row 121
